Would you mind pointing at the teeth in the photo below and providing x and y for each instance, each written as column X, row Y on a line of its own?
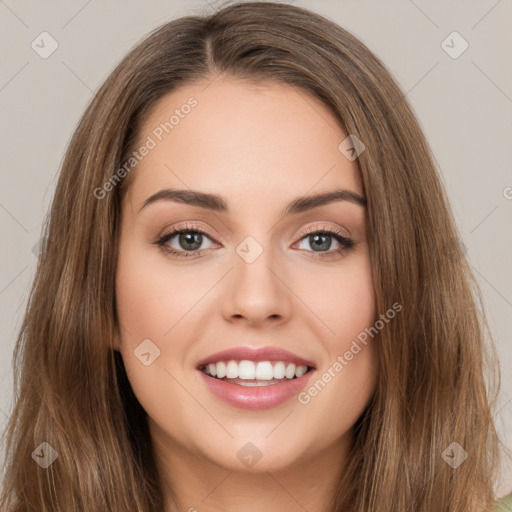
column 279, row 370
column 264, row 371
column 250, row 370
column 221, row 369
column 290, row 371
column 232, row 370
column 300, row 371
column 256, row 384
column 246, row 370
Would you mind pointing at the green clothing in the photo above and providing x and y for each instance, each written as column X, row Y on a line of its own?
column 505, row 504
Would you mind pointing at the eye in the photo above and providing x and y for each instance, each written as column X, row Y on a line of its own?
column 321, row 238
column 188, row 238
column 189, row 241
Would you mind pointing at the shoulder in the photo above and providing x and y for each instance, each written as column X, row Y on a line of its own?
column 505, row 504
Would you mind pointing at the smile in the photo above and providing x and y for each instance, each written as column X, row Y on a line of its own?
column 260, row 373
column 255, row 384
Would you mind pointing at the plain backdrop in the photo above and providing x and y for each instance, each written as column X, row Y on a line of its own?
column 463, row 102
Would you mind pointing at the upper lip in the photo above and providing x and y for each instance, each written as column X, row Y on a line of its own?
column 255, row 354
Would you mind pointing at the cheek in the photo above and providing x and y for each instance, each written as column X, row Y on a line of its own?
column 148, row 306
column 158, row 303
column 140, row 304
column 356, row 315
column 150, row 298
column 344, row 301
column 347, row 374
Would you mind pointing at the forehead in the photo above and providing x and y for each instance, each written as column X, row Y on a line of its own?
column 243, row 140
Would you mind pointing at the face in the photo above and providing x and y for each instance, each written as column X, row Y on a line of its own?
column 282, row 291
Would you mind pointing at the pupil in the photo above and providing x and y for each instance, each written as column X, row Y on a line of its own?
column 316, row 238
column 193, row 239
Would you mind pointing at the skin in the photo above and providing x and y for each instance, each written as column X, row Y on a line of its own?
column 260, row 147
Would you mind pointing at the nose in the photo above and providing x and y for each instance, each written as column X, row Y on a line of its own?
column 257, row 293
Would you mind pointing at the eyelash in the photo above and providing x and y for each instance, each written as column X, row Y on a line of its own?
column 346, row 243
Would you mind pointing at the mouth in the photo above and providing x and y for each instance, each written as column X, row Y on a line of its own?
column 255, row 385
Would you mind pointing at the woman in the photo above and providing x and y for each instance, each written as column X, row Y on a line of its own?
column 318, row 347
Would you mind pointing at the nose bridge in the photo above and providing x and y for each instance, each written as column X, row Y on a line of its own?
column 256, row 293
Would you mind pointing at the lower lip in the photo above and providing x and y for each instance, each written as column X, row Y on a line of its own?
column 261, row 397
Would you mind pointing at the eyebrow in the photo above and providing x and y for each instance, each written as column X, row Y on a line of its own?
column 217, row 203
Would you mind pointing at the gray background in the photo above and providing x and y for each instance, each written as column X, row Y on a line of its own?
column 464, row 105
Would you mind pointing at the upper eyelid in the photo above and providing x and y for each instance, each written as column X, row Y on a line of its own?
column 186, row 227
column 196, row 228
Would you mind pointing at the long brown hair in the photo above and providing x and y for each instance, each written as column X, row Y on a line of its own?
column 71, row 388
